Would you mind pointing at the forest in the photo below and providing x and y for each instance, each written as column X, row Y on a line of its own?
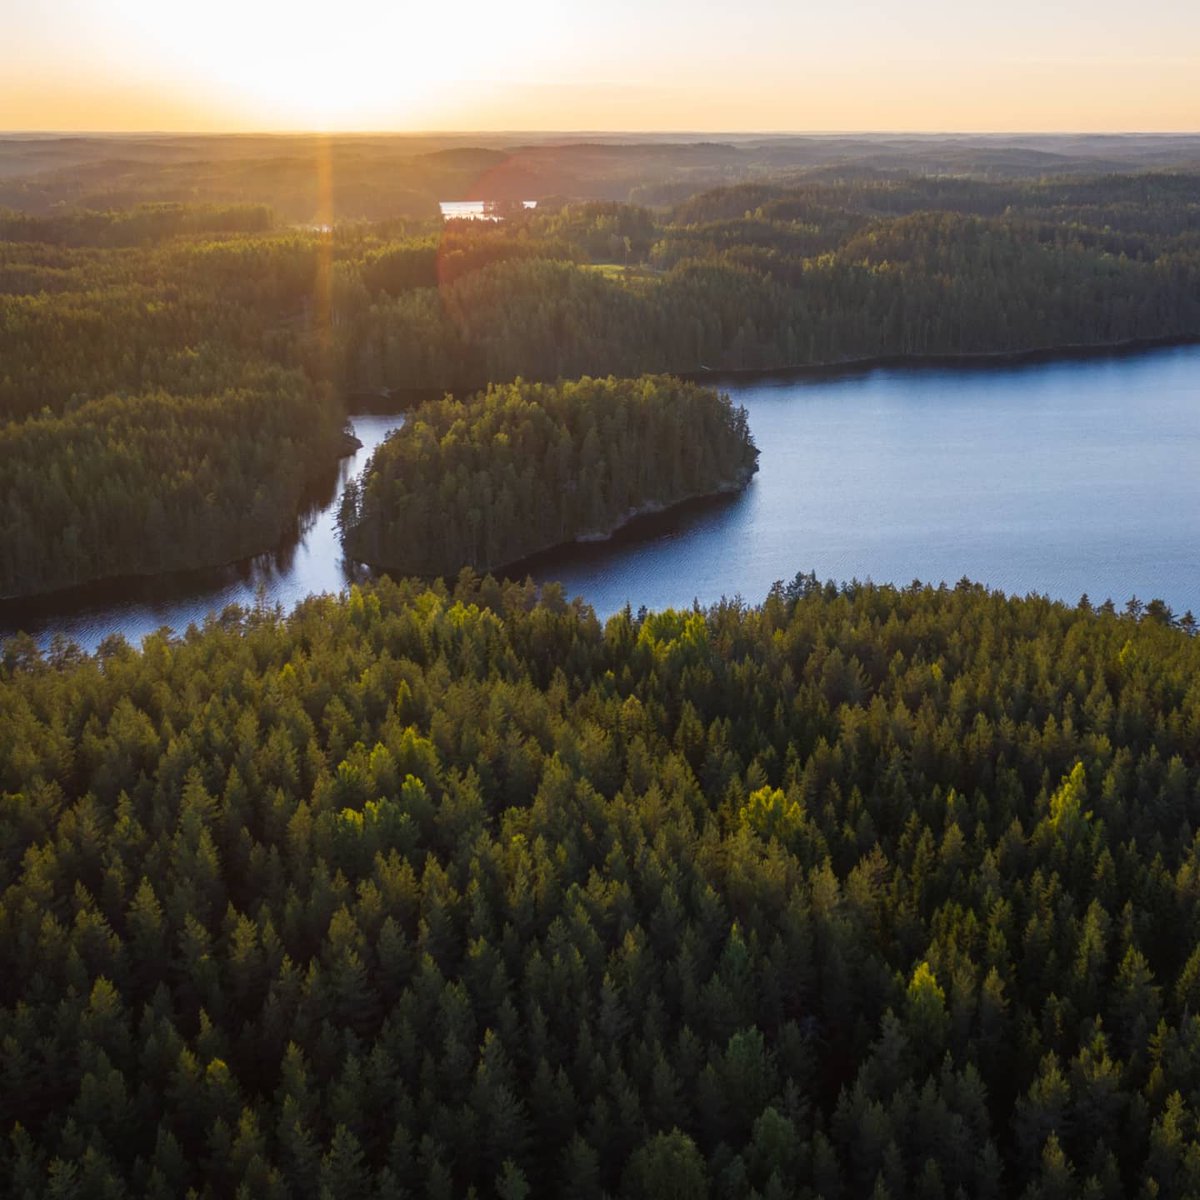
column 111, row 317
column 433, row 891
column 523, row 467
column 140, row 484
column 163, row 403
column 760, row 276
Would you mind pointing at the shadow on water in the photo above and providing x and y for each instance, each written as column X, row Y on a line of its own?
column 1056, row 477
column 35, row 613
column 709, row 515
column 307, row 560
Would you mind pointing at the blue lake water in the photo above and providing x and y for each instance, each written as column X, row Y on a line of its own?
column 309, row 562
column 1059, row 478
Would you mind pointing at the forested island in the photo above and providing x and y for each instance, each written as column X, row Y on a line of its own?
column 864, row 891
column 167, row 365
column 524, row 467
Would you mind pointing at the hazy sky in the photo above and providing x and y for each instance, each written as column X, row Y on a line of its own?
column 620, row 64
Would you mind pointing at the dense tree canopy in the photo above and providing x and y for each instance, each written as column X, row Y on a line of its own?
column 134, row 485
column 432, row 891
column 768, row 275
column 524, row 467
column 165, row 391
column 143, row 307
column 864, row 891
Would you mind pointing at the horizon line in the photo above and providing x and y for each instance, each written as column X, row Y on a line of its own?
column 601, row 132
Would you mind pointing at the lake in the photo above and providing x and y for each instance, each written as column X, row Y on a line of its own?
column 1061, row 478
column 477, row 210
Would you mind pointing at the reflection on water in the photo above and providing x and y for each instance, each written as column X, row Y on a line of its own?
column 308, row 562
column 1059, row 478
column 708, row 518
column 1062, row 478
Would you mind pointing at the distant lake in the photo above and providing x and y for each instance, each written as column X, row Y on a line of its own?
column 1059, row 478
column 478, row 210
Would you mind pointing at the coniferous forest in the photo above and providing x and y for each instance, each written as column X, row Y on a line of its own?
column 118, row 323
column 525, row 467
column 864, row 891
column 437, row 889
column 163, row 400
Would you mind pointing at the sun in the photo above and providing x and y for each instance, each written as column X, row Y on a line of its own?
column 342, row 64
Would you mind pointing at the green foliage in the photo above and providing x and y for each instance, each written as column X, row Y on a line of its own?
column 124, row 486
column 772, row 276
column 770, row 813
column 1066, row 805
column 124, row 304
column 524, row 467
column 667, row 1167
column 161, row 407
column 421, row 891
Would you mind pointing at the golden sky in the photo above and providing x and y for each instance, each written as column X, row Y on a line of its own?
column 936, row 65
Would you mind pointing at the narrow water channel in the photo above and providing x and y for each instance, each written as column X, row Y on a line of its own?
column 308, row 563
column 1059, row 478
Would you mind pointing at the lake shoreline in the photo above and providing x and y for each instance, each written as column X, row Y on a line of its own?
column 628, row 519
column 348, row 445
column 819, row 455
column 973, row 359
column 651, row 508
column 376, row 401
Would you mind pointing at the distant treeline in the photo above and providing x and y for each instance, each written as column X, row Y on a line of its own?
column 340, row 177
column 763, row 276
column 523, row 467
column 171, row 300
column 419, row 893
column 141, row 225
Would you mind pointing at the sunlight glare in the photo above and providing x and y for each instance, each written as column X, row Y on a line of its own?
column 345, row 65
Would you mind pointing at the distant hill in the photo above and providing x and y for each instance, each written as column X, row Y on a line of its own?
column 377, row 176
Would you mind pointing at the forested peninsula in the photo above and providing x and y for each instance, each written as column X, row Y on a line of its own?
column 165, row 366
column 160, row 408
column 524, row 467
column 864, row 891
